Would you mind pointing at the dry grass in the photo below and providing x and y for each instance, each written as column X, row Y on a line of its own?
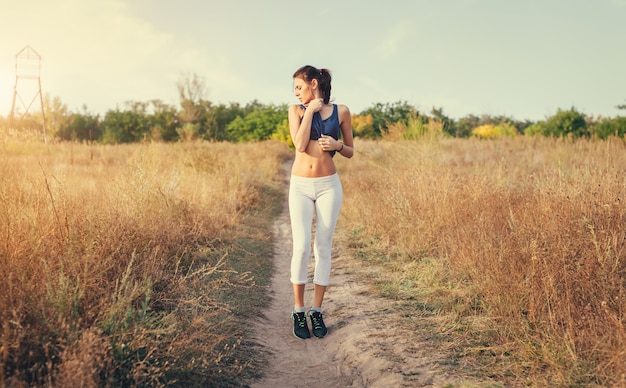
column 135, row 265
column 130, row 265
column 518, row 243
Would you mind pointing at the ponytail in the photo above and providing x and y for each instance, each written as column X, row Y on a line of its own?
column 324, row 83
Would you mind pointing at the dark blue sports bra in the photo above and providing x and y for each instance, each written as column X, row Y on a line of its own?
column 329, row 127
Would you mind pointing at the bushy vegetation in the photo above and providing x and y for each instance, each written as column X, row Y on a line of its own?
column 197, row 118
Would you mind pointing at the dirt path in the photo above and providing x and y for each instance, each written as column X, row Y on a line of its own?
column 365, row 347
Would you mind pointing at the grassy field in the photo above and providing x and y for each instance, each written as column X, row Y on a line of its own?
column 517, row 246
column 140, row 265
column 133, row 265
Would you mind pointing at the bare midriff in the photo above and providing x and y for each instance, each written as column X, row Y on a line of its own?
column 314, row 162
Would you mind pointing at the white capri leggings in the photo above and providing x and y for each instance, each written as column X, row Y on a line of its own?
column 308, row 196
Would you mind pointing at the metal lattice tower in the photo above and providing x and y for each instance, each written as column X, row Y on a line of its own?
column 27, row 87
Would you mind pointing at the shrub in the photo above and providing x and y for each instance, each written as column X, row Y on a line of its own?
column 490, row 131
column 563, row 123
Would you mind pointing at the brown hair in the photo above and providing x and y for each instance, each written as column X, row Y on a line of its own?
column 308, row 73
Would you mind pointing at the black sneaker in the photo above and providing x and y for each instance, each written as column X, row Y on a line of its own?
column 300, row 328
column 319, row 329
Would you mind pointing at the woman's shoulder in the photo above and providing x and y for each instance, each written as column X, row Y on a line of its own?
column 342, row 109
column 297, row 109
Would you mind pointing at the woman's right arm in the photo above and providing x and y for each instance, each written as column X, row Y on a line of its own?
column 300, row 127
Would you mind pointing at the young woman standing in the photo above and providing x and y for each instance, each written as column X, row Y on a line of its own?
column 316, row 126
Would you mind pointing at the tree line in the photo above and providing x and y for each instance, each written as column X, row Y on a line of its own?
column 198, row 118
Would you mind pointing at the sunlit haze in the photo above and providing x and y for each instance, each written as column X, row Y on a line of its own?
column 523, row 59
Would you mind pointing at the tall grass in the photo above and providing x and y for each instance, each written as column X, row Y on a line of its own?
column 117, row 262
column 522, row 239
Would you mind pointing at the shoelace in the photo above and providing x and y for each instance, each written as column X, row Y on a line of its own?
column 301, row 320
column 317, row 321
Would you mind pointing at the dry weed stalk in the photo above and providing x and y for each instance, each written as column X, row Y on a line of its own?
column 113, row 257
column 527, row 232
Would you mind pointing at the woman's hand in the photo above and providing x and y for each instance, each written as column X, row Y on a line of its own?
column 315, row 105
column 328, row 143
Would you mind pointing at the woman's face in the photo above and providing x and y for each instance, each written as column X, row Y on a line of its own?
column 304, row 91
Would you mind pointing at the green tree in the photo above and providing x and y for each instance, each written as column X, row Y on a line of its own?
column 537, row 129
column 563, row 123
column 126, row 126
column 259, row 124
column 385, row 114
column 163, row 121
column 214, row 120
column 465, row 125
column 609, row 127
column 80, row 126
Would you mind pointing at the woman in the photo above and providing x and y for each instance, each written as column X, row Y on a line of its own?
column 316, row 126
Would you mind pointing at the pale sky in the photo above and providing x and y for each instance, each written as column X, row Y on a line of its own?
column 522, row 59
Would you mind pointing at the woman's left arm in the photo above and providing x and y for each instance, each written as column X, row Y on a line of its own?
column 345, row 122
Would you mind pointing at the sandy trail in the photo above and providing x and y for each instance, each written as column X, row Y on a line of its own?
column 365, row 346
